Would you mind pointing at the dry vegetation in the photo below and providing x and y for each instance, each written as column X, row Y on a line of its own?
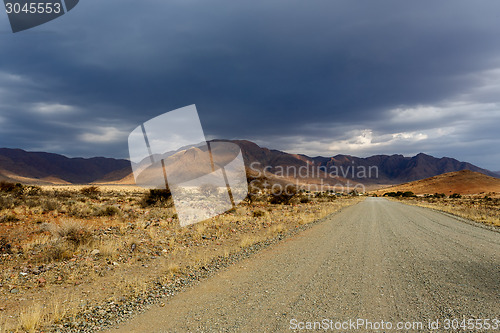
column 65, row 250
column 483, row 208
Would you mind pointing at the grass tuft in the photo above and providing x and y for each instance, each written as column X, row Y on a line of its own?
column 31, row 318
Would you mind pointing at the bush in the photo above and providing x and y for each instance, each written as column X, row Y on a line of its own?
column 455, row 196
column 259, row 213
column 50, row 205
column 80, row 210
column 32, row 190
column 74, row 233
column 9, row 187
column 108, row 211
column 397, row 194
column 4, row 245
column 57, row 252
column 32, row 203
column 9, row 218
column 283, row 195
column 305, row 199
column 251, row 197
column 253, row 193
column 7, row 202
column 91, row 191
column 64, row 194
column 156, row 196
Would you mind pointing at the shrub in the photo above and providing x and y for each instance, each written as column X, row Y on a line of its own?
column 305, row 199
column 32, row 203
column 455, row 196
column 57, row 251
column 8, row 218
column 64, row 194
column 4, row 245
column 156, row 196
column 74, row 233
column 50, row 205
column 91, row 191
column 355, row 193
column 406, row 194
column 283, row 195
column 108, row 211
column 9, row 187
column 80, row 210
column 253, row 193
column 7, row 202
column 32, row 190
column 259, row 213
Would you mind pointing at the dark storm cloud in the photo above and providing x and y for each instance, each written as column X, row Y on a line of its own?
column 305, row 76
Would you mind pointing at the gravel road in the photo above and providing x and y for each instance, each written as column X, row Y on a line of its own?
column 378, row 260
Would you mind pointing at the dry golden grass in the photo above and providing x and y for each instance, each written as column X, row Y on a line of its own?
column 31, row 318
column 481, row 209
column 57, row 311
column 248, row 240
column 173, row 268
column 276, row 229
column 62, row 241
column 3, row 325
column 109, row 248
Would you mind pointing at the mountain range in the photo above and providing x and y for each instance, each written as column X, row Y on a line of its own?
column 49, row 168
column 392, row 169
column 42, row 167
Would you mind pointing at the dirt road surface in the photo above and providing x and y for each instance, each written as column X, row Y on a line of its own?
column 377, row 260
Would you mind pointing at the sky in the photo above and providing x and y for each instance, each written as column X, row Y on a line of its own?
column 318, row 77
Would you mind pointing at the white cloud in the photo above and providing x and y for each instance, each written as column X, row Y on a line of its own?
column 12, row 78
column 365, row 140
column 445, row 114
column 52, row 108
column 104, row 135
column 463, row 129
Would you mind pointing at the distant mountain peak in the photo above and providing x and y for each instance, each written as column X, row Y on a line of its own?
column 42, row 167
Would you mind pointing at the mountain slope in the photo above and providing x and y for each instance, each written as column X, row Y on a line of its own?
column 39, row 165
column 463, row 182
column 381, row 169
column 19, row 165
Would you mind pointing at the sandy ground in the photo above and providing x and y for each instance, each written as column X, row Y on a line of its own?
column 378, row 260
